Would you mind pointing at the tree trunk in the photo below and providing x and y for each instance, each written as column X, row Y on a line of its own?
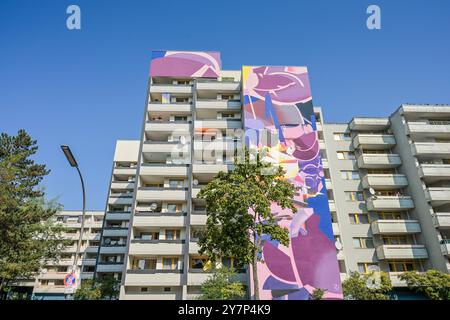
column 255, row 278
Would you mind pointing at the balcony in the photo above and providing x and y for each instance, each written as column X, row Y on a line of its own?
column 116, row 249
column 366, row 124
column 125, row 171
column 161, row 194
column 151, row 296
column 197, row 276
column 206, row 168
column 395, row 227
column 110, row 267
column 424, row 110
column 379, row 161
column 115, row 232
column 159, row 220
column 162, row 169
column 219, row 105
column 167, row 126
column 445, row 247
column 438, row 196
column 49, row 289
column 384, row 181
column 431, row 149
column 198, row 219
column 180, row 108
column 442, row 220
column 229, row 123
column 118, row 216
column 390, row 203
column 402, row 251
column 156, row 247
column 165, row 147
column 434, row 129
column 227, row 146
column 434, row 172
column 220, row 86
column 374, row 141
column 153, row 278
column 120, row 200
column 122, row 185
column 171, row 88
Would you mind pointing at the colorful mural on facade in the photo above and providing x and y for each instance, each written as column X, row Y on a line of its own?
column 188, row 64
column 278, row 100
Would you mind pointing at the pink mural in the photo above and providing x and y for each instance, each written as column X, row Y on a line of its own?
column 278, row 100
column 189, row 64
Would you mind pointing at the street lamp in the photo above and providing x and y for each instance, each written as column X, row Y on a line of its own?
column 73, row 163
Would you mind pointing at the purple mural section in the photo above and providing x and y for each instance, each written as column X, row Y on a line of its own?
column 189, row 64
column 277, row 100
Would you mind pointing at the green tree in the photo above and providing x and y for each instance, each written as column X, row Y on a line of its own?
column 318, row 294
column 434, row 284
column 222, row 285
column 370, row 286
column 106, row 287
column 28, row 235
column 109, row 287
column 238, row 211
column 87, row 291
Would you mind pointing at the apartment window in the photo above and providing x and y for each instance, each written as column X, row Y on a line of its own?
column 183, row 82
column 59, row 282
column 380, row 171
column 326, row 174
column 354, row 196
column 171, row 207
column 176, row 183
column 367, row 267
column 390, row 216
column 167, row 289
column 198, row 263
column 342, row 136
column 144, row 289
column 180, row 118
column 345, row 155
column 402, row 266
column 144, row 264
column 227, row 96
column 359, row 218
column 44, row 282
column 172, row 234
column 349, row 175
column 170, row 263
column 150, row 235
column 227, row 79
column 395, row 240
column 363, row 243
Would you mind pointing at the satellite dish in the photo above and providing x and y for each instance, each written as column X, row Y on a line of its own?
column 183, row 140
column 153, row 206
column 372, row 191
column 338, row 245
column 195, row 182
column 44, row 271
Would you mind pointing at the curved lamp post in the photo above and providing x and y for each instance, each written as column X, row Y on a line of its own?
column 73, row 163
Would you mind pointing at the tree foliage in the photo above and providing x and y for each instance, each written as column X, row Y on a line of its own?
column 106, row 287
column 370, row 286
column 222, row 285
column 28, row 235
column 238, row 210
column 318, row 294
column 434, row 284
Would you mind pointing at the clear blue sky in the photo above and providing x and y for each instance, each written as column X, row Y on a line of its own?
column 87, row 88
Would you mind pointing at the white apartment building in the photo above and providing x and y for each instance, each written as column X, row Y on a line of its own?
column 49, row 284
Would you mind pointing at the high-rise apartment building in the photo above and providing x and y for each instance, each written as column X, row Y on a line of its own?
column 386, row 181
